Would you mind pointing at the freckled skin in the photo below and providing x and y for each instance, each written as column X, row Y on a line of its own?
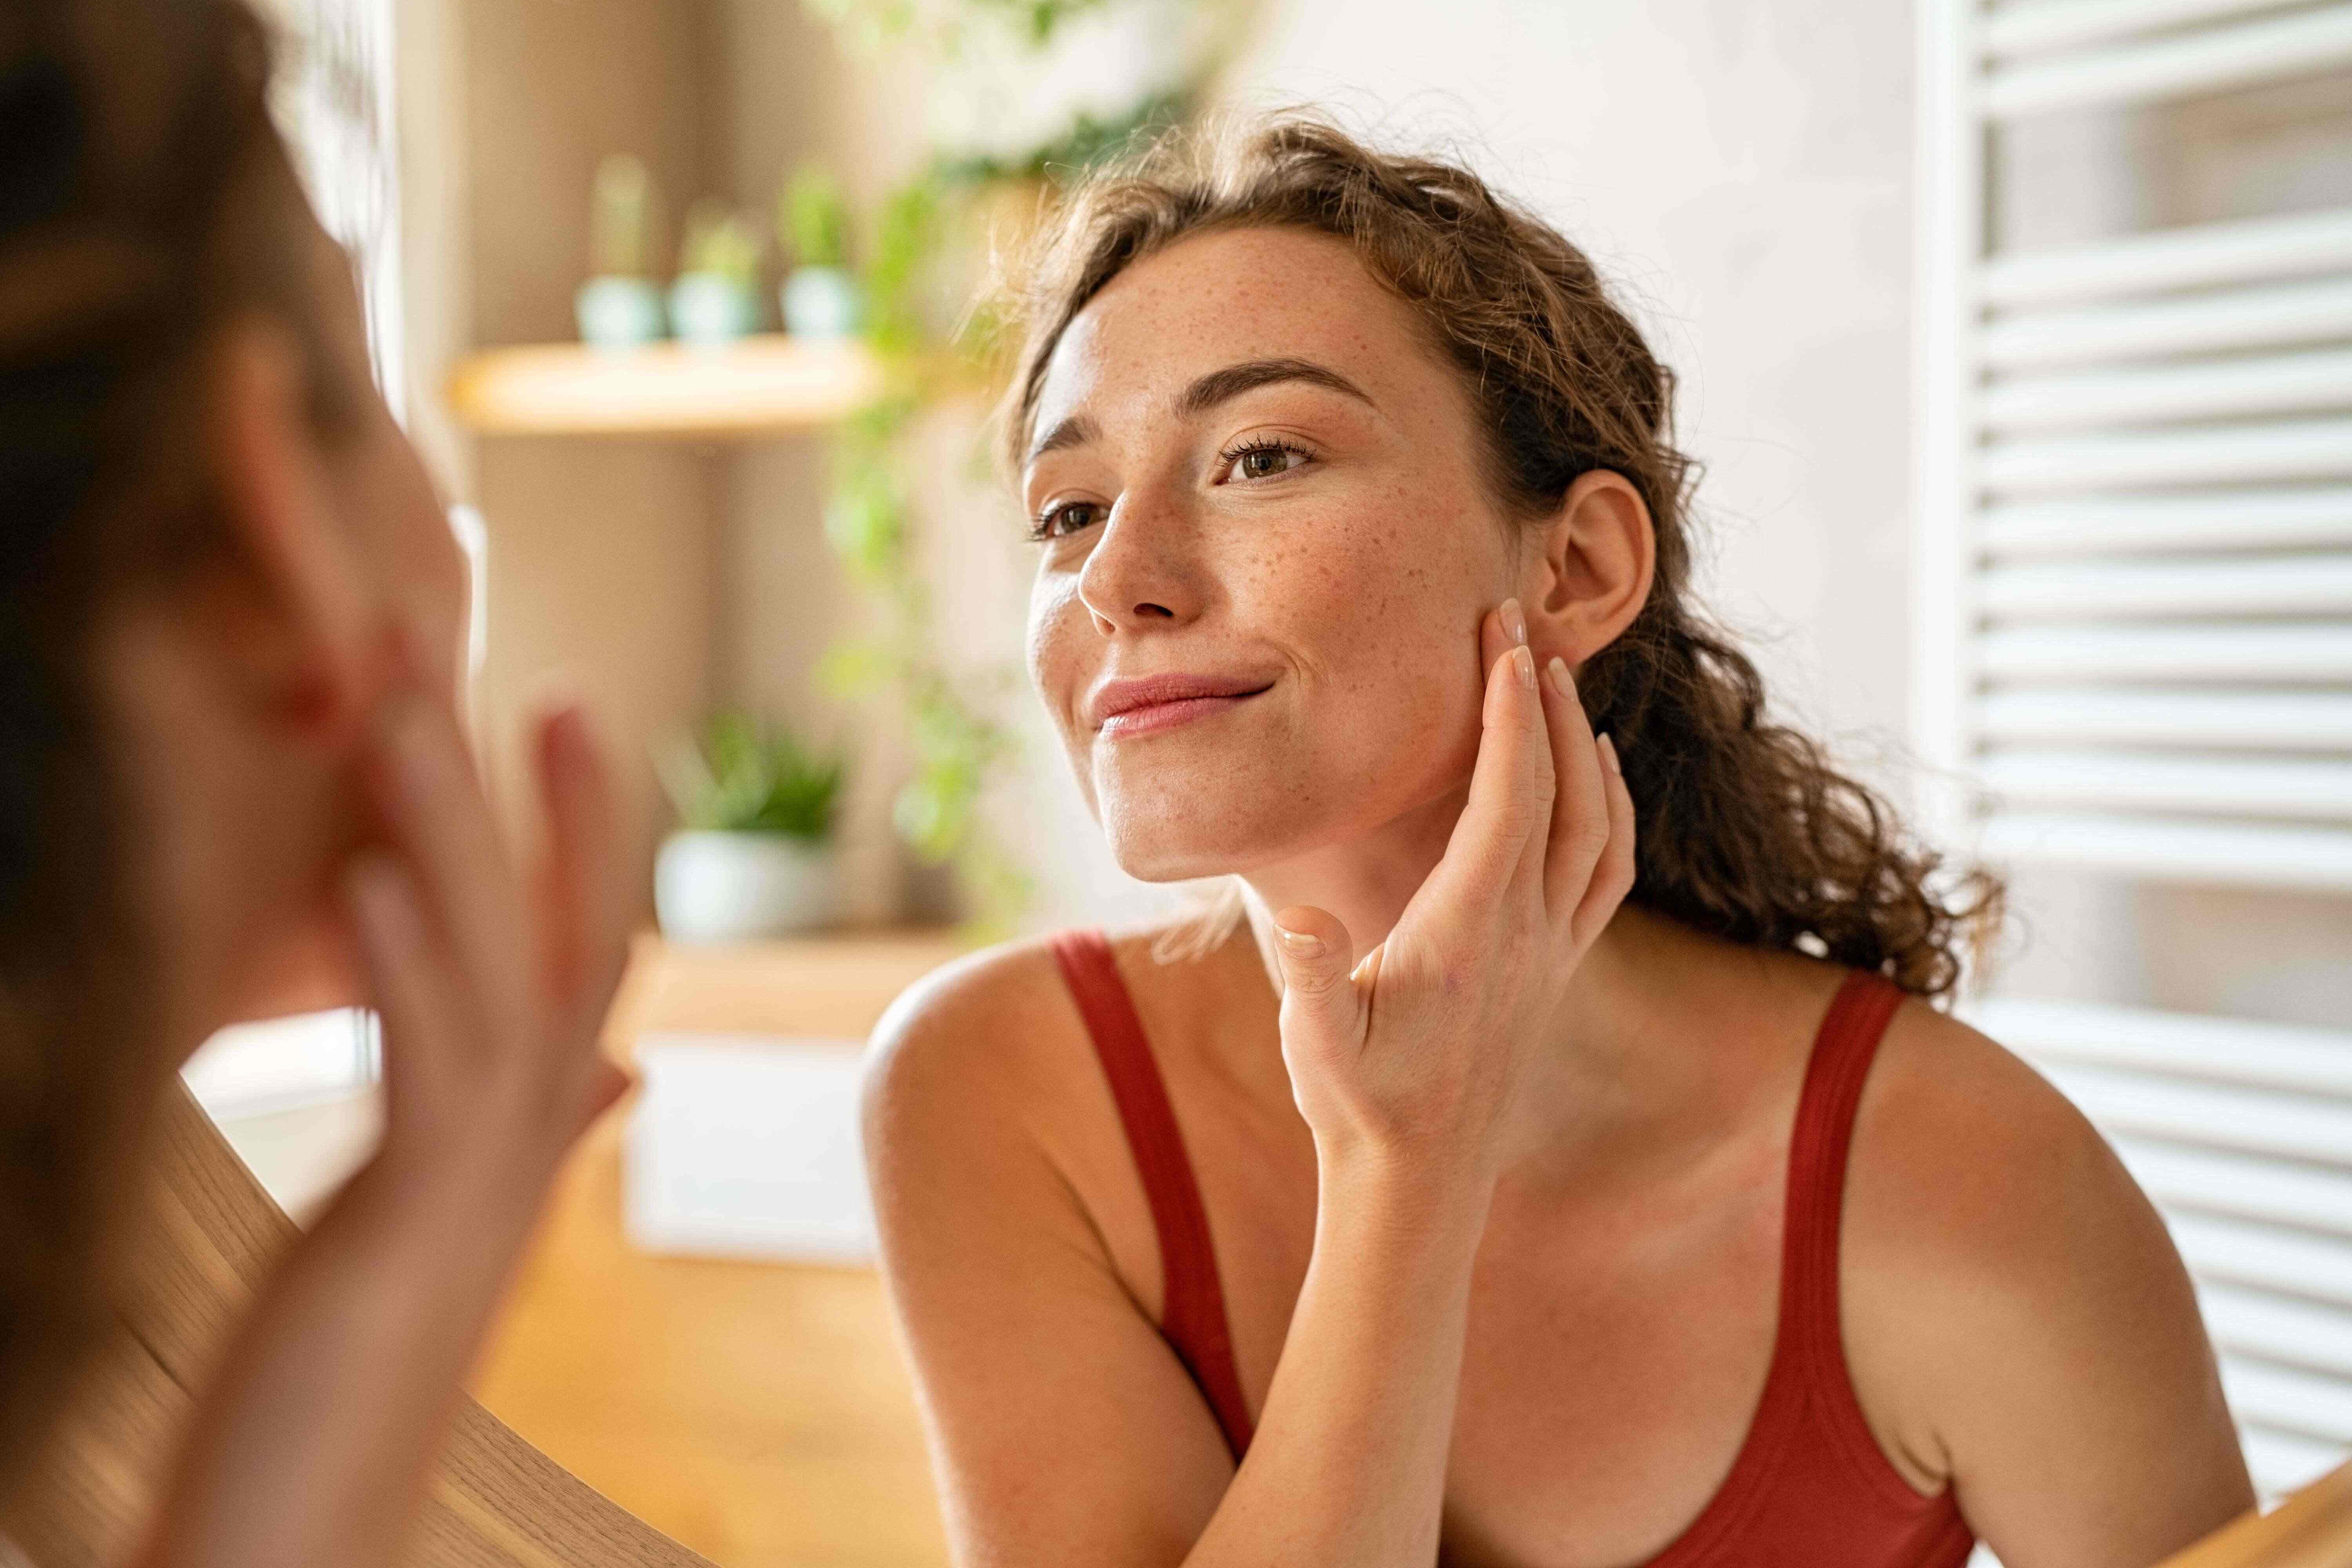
column 1353, row 580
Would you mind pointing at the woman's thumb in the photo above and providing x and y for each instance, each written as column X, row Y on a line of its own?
column 1317, row 959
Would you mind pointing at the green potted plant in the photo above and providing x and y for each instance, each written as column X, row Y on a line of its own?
column 619, row 306
column 753, row 853
column 716, row 298
column 819, row 297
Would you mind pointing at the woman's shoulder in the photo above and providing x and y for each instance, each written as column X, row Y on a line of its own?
column 1956, row 1129
column 992, row 1037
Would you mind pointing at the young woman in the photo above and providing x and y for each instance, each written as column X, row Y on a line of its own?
column 1563, row 1163
column 231, row 770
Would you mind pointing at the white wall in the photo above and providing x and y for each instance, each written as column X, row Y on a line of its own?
column 1743, row 171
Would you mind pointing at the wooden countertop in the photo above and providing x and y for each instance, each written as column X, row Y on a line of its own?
column 760, row 1414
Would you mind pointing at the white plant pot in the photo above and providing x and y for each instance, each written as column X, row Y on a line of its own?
column 819, row 303
column 708, row 309
column 620, row 312
column 733, row 887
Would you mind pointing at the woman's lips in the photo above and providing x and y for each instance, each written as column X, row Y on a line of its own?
column 1122, row 708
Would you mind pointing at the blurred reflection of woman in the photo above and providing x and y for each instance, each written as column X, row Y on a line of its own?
column 1448, row 1208
column 230, row 768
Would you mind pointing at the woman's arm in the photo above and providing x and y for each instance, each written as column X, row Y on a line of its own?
column 2015, row 1305
column 1065, row 1430
column 314, row 1437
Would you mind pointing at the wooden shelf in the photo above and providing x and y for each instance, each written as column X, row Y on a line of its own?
column 766, row 385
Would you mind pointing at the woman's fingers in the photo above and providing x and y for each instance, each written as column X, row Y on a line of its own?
column 1321, row 1001
column 1579, row 829
column 1612, row 876
column 1501, row 830
column 441, row 824
column 584, row 906
column 407, row 968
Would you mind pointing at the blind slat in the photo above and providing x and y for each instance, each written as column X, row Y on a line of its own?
column 2249, row 1255
column 2247, row 250
column 2224, row 854
column 2270, row 787
column 2227, row 520
column 2064, row 24
column 2206, row 719
column 2280, row 451
column 2247, row 1186
column 2310, row 583
column 2213, row 1116
column 2315, row 652
column 2207, row 61
column 2299, row 382
column 2226, row 320
column 2279, row 1328
column 2308, row 1403
column 2259, row 1055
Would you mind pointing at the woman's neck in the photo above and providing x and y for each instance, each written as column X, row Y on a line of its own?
column 1646, row 984
column 1367, row 881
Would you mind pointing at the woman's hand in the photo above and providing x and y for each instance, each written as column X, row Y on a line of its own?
column 313, row 1442
column 492, row 989
column 1418, row 1050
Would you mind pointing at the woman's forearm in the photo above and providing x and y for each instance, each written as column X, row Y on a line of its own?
column 313, row 1440
column 1348, row 1462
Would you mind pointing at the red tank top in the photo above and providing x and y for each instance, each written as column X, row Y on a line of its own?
column 1809, row 1488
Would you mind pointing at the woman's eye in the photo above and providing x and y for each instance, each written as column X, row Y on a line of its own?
column 1060, row 522
column 1262, row 460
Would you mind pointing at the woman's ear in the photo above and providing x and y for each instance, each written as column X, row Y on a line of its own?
column 1599, row 555
column 302, row 632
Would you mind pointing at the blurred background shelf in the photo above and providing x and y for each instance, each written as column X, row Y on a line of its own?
column 766, row 385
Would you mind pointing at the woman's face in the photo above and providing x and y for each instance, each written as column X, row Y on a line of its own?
column 1265, row 546
column 368, row 517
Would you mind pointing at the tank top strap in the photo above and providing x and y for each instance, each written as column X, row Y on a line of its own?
column 1192, row 1311
column 1819, row 1148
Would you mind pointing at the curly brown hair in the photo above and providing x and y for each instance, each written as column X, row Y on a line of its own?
column 1747, row 830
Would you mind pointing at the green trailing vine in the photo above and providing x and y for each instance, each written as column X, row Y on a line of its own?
column 871, row 525
column 956, row 737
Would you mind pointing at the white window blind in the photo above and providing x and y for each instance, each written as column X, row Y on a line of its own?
column 2137, row 499
column 2134, row 615
column 2241, row 1133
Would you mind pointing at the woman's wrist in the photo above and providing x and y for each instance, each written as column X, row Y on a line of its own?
column 1402, row 1191
column 477, row 1178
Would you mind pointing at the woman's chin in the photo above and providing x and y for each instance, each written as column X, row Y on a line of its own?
column 1160, row 861
column 1158, row 849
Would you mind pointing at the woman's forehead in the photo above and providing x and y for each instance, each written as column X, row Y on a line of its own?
column 1225, row 298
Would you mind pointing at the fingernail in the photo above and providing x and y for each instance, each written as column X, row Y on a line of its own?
column 1514, row 622
column 1524, row 663
column 1562, row 681
column 1609, row 755
column 1299, row 943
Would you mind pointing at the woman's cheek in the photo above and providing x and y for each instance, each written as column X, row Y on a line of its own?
column 1062, row 646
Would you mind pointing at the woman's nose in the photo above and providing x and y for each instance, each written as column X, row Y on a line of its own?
column 1144, row 571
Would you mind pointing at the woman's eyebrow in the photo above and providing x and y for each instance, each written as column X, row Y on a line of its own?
column 1217, row 386
column 1075, row 431
column 1220, row 386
